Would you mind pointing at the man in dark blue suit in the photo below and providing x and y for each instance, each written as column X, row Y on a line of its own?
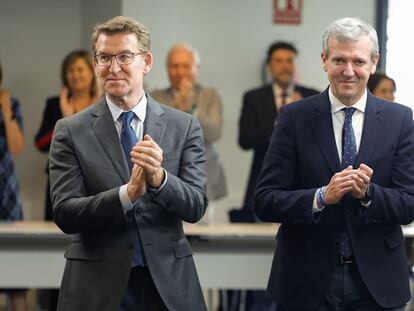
column 339, row 177
column 257, row 119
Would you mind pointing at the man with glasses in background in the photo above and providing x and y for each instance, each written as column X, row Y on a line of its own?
column 124, row 175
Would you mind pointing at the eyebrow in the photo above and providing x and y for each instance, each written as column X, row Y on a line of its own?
column 122, row 52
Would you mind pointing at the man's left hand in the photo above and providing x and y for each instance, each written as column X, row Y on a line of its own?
column 149, row 156
column 362, row 179
column 184, row 97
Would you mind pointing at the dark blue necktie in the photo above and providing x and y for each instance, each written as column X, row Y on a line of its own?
column 128, row 140
column 128, row 136
column 349, row 153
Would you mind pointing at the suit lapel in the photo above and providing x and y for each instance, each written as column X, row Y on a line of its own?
column 155, row 124
column 321, row 123
column 105, row 131
column 104, row 128
column 371, row 131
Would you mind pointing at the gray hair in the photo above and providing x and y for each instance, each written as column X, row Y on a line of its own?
column 126, row 25
column 350, row 29
column 186, row 47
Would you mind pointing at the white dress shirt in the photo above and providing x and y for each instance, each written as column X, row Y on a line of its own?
column 278, row 94
column 338, row 119
column 137, row 125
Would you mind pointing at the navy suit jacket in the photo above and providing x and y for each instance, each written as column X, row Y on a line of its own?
column 302, row 157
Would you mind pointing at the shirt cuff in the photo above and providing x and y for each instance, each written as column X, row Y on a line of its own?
column 366, row 204
column 158, row 190
column 125, row 201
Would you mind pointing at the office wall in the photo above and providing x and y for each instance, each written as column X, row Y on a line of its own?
column 35, row 36
column 232, row 37
column 96, row 11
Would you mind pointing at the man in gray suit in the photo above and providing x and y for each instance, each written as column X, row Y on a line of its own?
column 185, row 94
column 123, row 202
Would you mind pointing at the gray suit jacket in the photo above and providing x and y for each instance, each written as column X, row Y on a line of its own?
column 208, row 110
column 87, row 167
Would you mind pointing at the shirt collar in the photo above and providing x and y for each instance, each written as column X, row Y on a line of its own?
column 139, row 109
column 336, row 104
column 279, row 91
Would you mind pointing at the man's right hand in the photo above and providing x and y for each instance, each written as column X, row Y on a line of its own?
column 64, row 101
column 137, row 185
column 340, row 184
column 184, row 98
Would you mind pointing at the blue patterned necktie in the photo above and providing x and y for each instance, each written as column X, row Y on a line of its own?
column 348, row 140
column 128, row 140
column 349, row 153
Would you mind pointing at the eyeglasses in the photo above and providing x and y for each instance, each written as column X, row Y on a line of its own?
column 122, row 58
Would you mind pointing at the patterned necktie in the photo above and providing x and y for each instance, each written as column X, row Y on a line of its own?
column 348, row 140
column 349, row 153
column 128, row 140
column 283, row 97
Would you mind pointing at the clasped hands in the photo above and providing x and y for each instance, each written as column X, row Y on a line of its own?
column 184, row 96
column 147, row 158
column 354, row 181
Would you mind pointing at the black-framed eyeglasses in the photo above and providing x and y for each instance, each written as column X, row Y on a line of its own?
column 126, row 58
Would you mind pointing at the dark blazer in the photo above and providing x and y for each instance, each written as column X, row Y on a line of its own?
column 256, row 124
column 51, row 114
column 302, row 157
column 87, row 168
column 43, row 139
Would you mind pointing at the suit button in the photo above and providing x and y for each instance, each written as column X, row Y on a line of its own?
column 130, row 245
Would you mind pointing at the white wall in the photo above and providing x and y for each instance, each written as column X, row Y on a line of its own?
column 93, row 12
column 232, row 37
column 399, row 50
column 35, row 36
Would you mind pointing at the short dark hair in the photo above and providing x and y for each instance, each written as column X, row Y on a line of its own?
column 278, row 46
column 376, row 78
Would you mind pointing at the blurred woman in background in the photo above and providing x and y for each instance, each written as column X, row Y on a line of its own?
column 11, row 144
column 382, row 86
column 79, row 90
